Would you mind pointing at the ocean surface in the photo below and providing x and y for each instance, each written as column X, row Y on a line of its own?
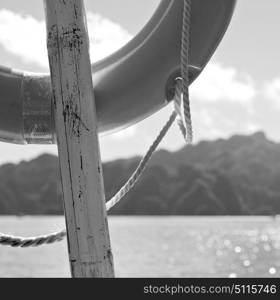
column 157, row 247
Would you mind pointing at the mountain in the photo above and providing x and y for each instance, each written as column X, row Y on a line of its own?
column 235, row 176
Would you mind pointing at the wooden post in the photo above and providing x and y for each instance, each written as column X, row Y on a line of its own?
column 76, row 127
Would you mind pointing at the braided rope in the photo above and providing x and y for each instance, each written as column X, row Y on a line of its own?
column 142, row 165
column 181, row 110
column 185, row 122
column 16, row 241
column 178, row 107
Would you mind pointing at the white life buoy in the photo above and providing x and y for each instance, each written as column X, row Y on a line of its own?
column 129, row 85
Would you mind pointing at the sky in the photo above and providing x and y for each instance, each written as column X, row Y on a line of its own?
column 237, row 93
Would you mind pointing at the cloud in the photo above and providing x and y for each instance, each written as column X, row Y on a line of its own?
column 251, row 127
column 105, row 36
column 210, row 123
column 271, row 92
column 125, row 133
column 25, row 37
column 217, row 83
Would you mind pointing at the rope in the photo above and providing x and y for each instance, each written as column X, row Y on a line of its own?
column 142, row 165
column 16, row 241
column 181, row 112
column 178, row 108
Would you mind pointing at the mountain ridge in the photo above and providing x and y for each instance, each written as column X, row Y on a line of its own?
column 235, row 176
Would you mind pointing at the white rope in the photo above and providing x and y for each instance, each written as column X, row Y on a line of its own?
column 16, row 241
column 181, row 112
column 142, row 165
column 182, row 105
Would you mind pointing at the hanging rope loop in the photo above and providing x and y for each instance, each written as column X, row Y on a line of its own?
column 182, row 105
column 181, row 113
column 14, row 241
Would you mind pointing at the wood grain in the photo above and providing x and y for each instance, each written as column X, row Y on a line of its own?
column 76, row 126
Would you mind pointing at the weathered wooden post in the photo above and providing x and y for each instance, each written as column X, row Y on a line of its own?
column 76, row 126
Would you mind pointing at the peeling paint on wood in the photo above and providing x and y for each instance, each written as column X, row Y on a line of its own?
column 76, row 126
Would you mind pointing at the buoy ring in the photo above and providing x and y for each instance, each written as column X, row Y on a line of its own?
column 129, row 85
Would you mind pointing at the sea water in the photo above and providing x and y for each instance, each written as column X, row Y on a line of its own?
column 157, row 247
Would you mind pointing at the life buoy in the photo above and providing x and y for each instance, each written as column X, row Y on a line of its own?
column 129, row 85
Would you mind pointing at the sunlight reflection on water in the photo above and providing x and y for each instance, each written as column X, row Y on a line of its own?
column 158, row 247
